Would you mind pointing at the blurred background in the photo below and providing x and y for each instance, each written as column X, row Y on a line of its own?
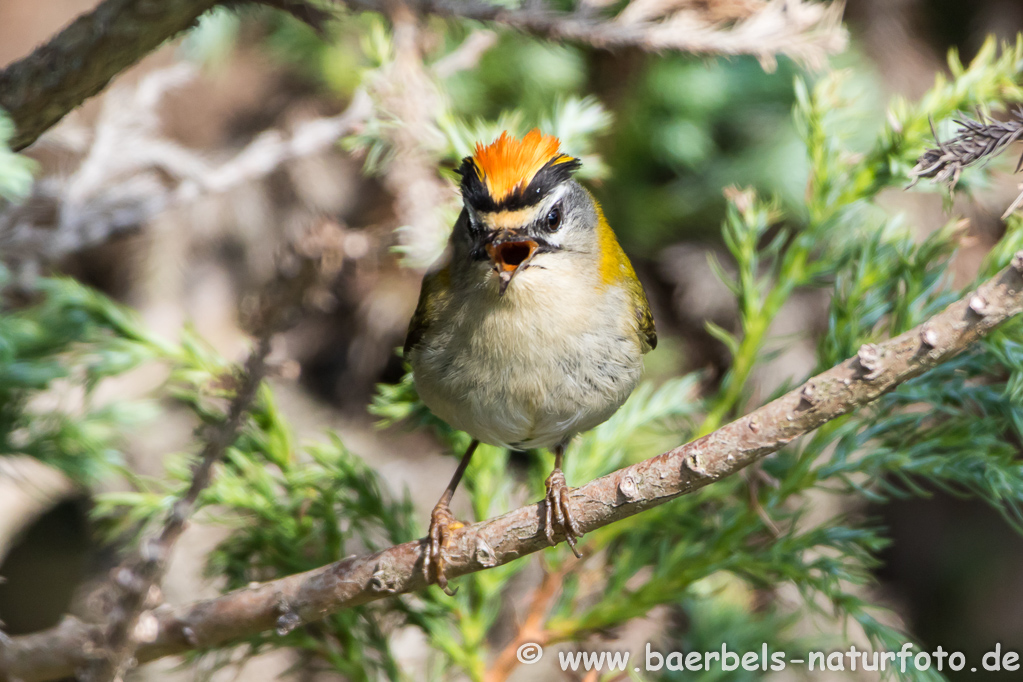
column 187, row 194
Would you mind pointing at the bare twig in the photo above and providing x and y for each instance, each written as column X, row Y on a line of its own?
column 273, row 149
column 805, row 31
column 136, row 582
column 114, row 192
column 876, row 370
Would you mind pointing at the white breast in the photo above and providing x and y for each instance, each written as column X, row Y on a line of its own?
column 551, row 358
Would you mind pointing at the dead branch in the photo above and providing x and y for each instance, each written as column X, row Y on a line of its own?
column 976, row 142
column 135, row 584
column 78, row 62
column 130, row 173
column 136, row 581
column 803, row 30
column 306, row 597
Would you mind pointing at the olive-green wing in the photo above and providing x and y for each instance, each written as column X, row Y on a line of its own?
column 435, row 285
column 644, row 318
column 647, row 329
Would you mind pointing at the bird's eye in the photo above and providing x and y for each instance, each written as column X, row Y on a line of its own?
column 554, row 219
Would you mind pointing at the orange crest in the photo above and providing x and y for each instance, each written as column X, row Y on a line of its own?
column 508, row 163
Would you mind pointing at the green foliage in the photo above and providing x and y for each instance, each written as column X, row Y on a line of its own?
column 954, row 429
column 289, row 509
column 686, row 130
column 713, row 558
column 53, row 354
column 15, row 170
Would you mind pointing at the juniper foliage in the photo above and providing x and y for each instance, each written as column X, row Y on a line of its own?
column 742, row 562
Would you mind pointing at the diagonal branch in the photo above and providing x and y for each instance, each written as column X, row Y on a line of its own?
column 305, row 597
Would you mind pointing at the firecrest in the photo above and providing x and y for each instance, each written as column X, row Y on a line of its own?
column 532, row 326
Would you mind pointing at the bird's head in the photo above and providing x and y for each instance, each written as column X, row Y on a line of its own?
column 523, row 209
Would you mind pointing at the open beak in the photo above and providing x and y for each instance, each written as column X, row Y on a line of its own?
column 509, row 258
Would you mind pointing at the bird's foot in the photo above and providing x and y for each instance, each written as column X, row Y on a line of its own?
column 559, row 511
column 442, row 523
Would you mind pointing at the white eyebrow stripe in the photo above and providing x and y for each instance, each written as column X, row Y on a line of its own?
column 556, row 196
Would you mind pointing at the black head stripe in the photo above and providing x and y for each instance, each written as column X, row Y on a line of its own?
column 475, row 192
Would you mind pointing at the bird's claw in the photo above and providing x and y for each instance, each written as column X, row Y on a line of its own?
column 442, row 522
column 559, row 512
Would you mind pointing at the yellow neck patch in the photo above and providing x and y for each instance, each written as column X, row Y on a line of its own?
column 614, row 265
column 509, row 163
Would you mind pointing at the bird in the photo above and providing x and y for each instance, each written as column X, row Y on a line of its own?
column 531, row 326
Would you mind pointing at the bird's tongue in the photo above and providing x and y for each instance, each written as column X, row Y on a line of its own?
column 508, row 256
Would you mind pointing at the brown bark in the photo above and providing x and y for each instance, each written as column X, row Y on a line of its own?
column 77, row 63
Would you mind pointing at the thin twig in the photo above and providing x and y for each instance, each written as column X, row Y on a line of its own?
column 805, row 31
column 77, row 63
column 877, row 369
column 114, row 192
column 136, row 582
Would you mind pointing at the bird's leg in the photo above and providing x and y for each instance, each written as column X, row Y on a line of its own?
column 559, row 511
column 442, row 522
